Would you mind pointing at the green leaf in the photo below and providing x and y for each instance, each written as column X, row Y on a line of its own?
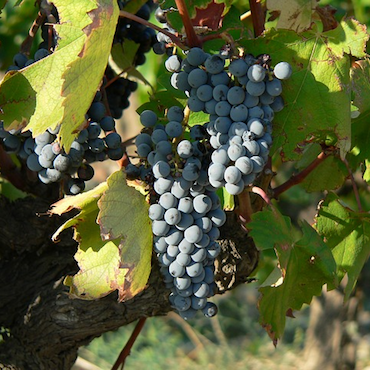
column 347, row 234
column 305, row 261
column 44, row 94
column 124, row 216
column 123, row 55
column 2, row 5
column 294, row 15
column 318, row 94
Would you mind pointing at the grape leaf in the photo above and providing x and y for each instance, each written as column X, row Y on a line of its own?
column 305, row 261
column 294, row 15
column 44, row 94
column 2, row 5
column 360, row 126
column 318, row 94
column 347, row 234
column 124, row 215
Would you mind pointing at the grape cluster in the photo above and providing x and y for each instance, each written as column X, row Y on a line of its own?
column 241, row 102
column 185, row 212
column 44, row 155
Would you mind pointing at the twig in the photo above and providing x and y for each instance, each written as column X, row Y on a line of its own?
column 354, row 185
column 127, row 348
column 258, row 17
column 244, row 210
column 27, row 43
column 137, row 19
column 246, row 15
column 296, row 179
column 262, row 194
column 193, row 39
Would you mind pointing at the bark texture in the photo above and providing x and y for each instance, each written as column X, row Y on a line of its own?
column 42, row 327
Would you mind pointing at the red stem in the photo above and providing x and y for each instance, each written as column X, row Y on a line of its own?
column 258, row 17
column 193, row 39
column 27, row 43
column 296, row 179
column 262, row 194
column 127, row 348
column 137, row 19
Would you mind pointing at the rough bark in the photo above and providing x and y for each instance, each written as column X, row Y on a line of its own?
column 44, row 326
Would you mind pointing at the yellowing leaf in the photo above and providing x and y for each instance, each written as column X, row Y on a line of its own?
column 44, row 94
column 124, row 215
column 294, row 15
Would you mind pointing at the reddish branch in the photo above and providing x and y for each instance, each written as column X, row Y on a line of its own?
column 297, row 179
column 137, row 19
column 127, row 348
column 258, row 17
column 262, row 194
column 27, row 43
column 193, row 39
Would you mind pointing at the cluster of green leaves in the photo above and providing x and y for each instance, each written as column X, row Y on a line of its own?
column 328, row 88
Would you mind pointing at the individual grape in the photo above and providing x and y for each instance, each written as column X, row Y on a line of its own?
column 182, row 282
column 256, row 112
column 214, row 233
column 256, row 127
column 165, row 259
column 220, row 92
column 258, row 164
column 205, row 93
column 75, row 186
column 185, row 222
column 250, row 101
column 232, row 175
column 167, row 200
column 107, row 123
column 173, row 64
column 196, row 56
column 256, row 73
column 44, row 138
column 160, row 227
column 213, row 250
column 93, row 131
column 201, row 290
column 268, row 112
column 97, row 111
column 113, row 140
column 143, row 150
column 195, row 104
column 252, row 147
column 235, row 151
column 148, row 118
column 183, row 259
column 20, row 60
column 198, row 255
column 33, row 163
column 221, row 78
column 176, row 270
column 210, row 309
column 156, row 212
column 193, row 234
column 161, row 169
column 255, row 88
column 188, row 314
column 143, row 139
column 197, row 77
column 53, row 175
column 185, row 205
column 223, row 108
column 266, row 98
column 185, row 149
column 218, row 217
column 238, row 67
column 214, row 64
column 174, row 129
column 174, row 236
column 85, row 172
column 173, row 250
column 180, row 81
column 274, row 87
column 114, row 154
column 244, row 164
column 96, row 145
column 222, row 124
column 202, row 203
column 283, row 70
column 12, row 143
column 190, row 172
column 239, row 113
column 194, row 269
column 40, row 54
column 175, row 113
column 172, row 216
column 235, row 95
column 197, row 132
column 182, row 303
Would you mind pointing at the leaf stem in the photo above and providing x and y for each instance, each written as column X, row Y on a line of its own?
column 258, row 17
column 127, row 348
column 137, row 19
column 296, row 179
column 354, row 185
column 262, row 194
column 193, row 39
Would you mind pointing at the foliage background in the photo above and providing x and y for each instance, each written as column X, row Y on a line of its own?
column 234, row 339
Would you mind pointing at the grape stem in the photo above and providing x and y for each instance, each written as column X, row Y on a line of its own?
column 354, row 185
column 297, row 179
column 137, row 19
column 258, row 17
column 244, row 209
column 193, row 39
column 120, row 362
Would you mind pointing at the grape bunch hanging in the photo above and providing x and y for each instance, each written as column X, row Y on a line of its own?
column 185, row 166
